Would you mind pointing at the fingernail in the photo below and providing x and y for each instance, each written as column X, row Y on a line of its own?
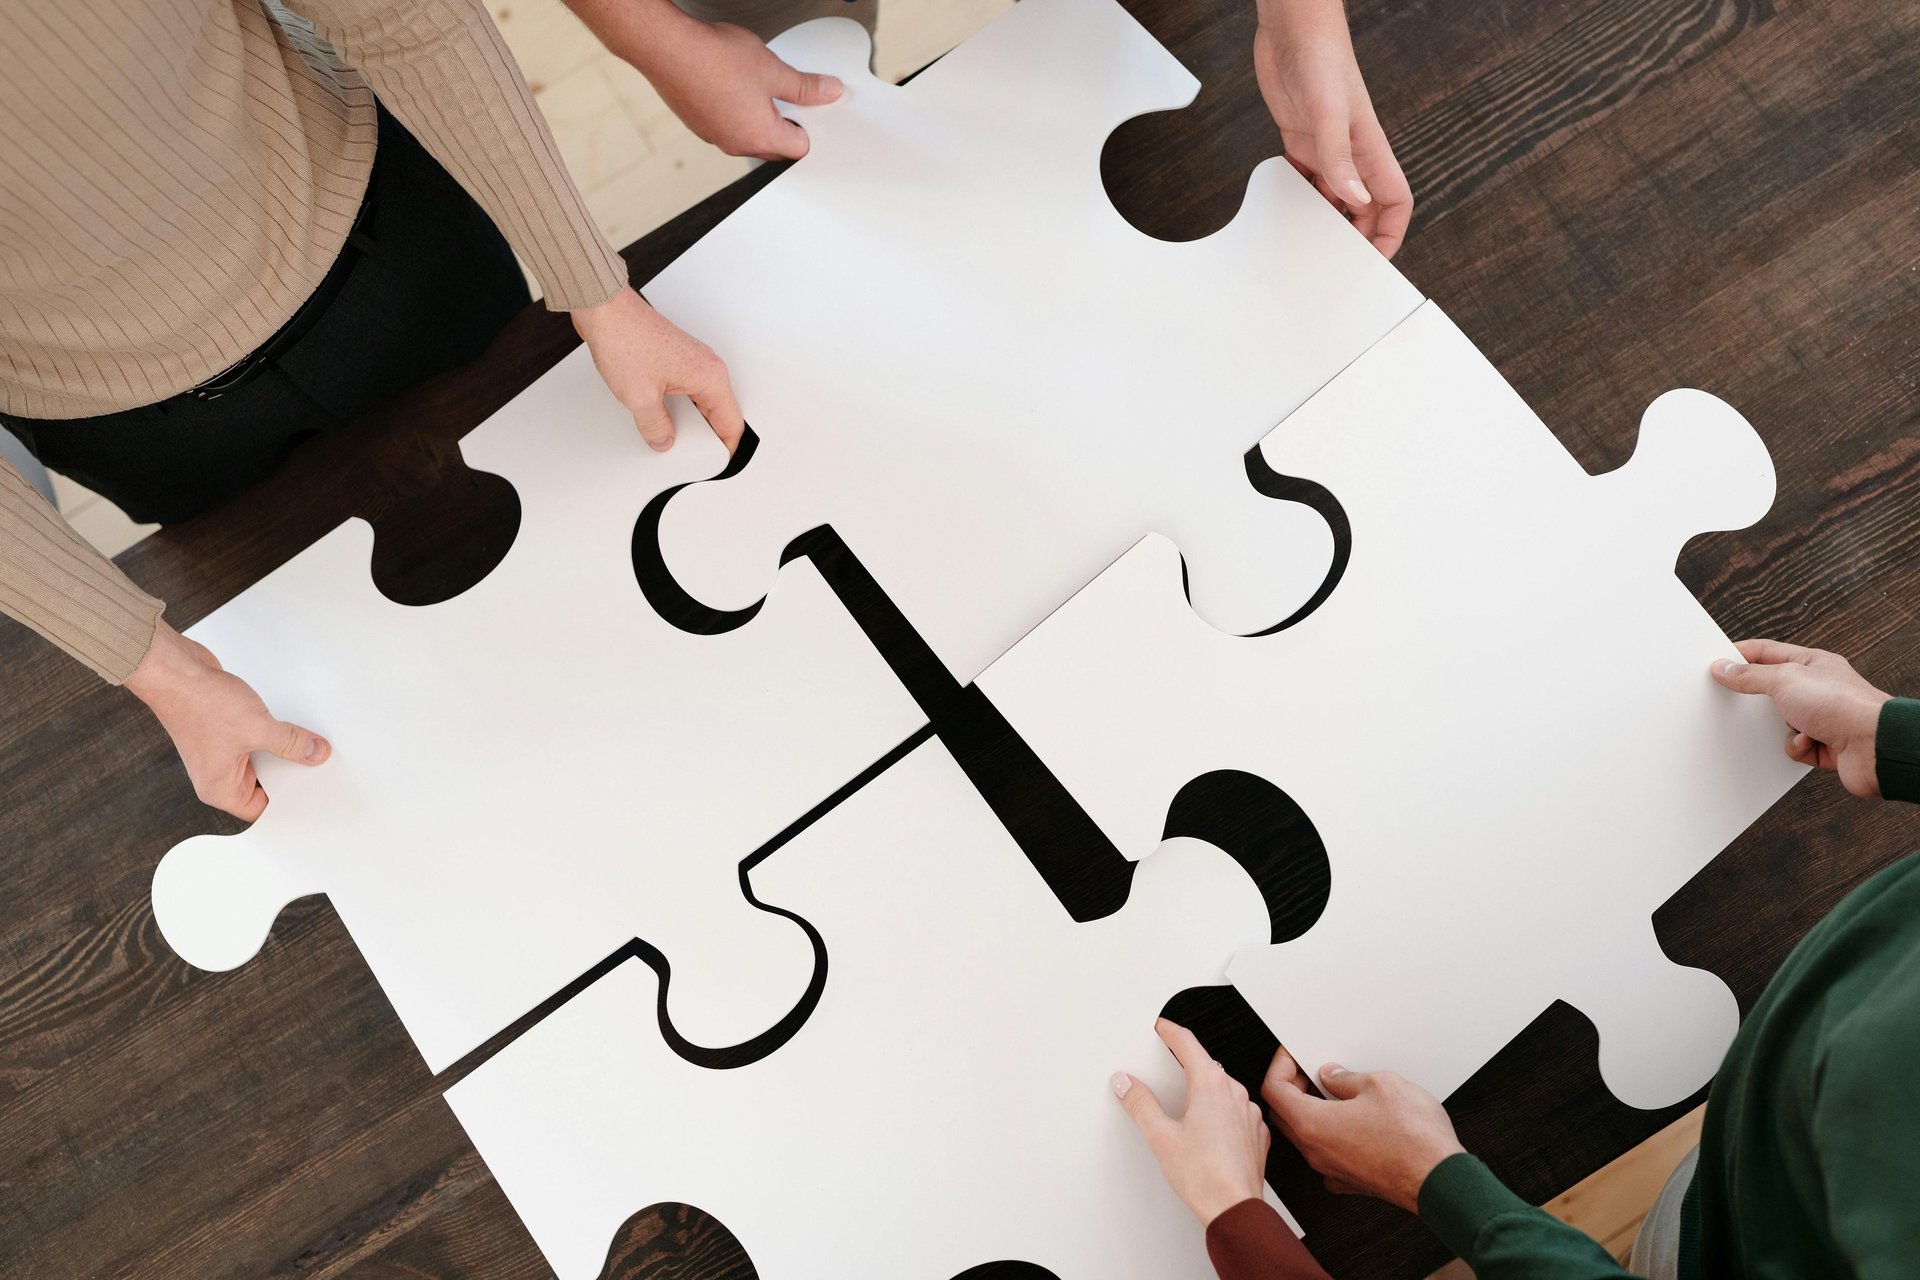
column 660, row 446
column 1332, row 1069
column 317, row 749
column 1728, row 667
column 1121, row 1082
column 1357, row 191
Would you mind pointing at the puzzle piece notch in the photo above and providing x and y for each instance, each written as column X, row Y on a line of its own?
column 1502, row 816
column 952, row 1082
column 989, row 423
column 532, row 774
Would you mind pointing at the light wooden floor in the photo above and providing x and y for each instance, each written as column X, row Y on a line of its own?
column 638, row 166
column 1610, row 1203
column 635, row 163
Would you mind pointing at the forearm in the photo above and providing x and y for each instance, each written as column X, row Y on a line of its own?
column 1502, row 1237
column 645, row 33
column 441, row 67
column 52, row 581
column 1252, row 1242
column 1306, row 21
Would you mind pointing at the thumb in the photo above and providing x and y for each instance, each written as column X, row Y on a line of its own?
column 1333, row 139
column 1140, row 1103
column 1338, row 1082
column 656, row 428
column 1748, row 677
column 805, row 88
column 291, row 742
column 788, row 140
column 250, row 808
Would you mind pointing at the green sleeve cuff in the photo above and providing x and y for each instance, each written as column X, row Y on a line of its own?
column 1460, row 1197
column 1896, row 745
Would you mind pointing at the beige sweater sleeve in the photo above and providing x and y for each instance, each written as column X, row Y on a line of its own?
column 441, row 67
column 54, row 582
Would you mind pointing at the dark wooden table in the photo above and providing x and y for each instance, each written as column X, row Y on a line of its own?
column 1616, row 197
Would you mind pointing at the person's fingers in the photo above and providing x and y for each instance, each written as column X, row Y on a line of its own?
column 656, row 426
column 1287, row 1097
column 1333, row 142
column 1341, row 1083
column 805, row 88
column 1770, row 651
column 1141, row 1104
column 785, row 141
column 1802, row 749
column 238, row 792
column 291, row 742
column 252, row 806
column 1751, row 677
column 714, row 399
column 1185, row 1045
column 1365, row 219
column 1284, row 1080
column 1392, row 197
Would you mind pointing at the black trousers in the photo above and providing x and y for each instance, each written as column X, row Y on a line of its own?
column 433, row 282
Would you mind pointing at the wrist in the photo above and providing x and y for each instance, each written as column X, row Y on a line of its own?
column 1304, row 24
column 653, row 35
column 1420, row 1167
column 1872, row 706
column 168, row 664
column 1209, row 1202
column 588, row 321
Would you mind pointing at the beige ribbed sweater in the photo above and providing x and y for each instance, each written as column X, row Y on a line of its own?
column 176, row 176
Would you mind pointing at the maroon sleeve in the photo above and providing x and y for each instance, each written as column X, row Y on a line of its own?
column 1252, row 1242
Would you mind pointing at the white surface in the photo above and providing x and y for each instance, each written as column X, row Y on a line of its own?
column 532, row 773
column 958, row 354
column 950, row 1091
column 1501, row 722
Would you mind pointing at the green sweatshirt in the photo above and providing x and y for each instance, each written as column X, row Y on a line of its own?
column 1810, row 1155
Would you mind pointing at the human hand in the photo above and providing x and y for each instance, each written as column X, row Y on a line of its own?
column 644, row 357
column 216, row 722
column 1303, row 60
column 721, row 80
column 1375, row 1133
column 1833, row 712
column 1215, row 1155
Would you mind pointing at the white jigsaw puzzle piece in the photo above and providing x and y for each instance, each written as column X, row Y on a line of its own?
column 529, row 775
column 1501, row 722
column 951, row 1086
column 958, row 354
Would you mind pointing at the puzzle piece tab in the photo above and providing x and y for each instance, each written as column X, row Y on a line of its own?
column 1501, row 722
column 533, row 773
column 957, row 353
column 950, row 1091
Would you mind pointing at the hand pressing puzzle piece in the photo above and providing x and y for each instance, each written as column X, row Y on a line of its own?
column 947, row 1104
column 1501, row 722
column 536, row 772
column 957, row 354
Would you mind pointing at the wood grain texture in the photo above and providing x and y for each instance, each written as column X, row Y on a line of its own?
column 1616, row 197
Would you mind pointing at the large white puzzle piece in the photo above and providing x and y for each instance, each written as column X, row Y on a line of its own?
column 950, row 1091
column 531, row 774
column 957, row 353
column 1501, row 722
